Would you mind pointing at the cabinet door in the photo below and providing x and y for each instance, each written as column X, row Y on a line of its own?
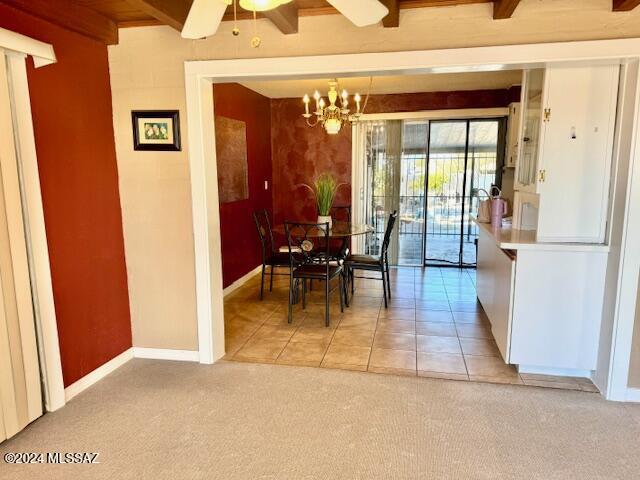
column 531, row 117
column 485, row 276
column 513, row 138
column 502, row 301
column 576, row 154
column 557, row 313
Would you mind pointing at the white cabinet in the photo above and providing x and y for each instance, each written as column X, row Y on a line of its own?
column 513, row 136
column 557, row 309
column 566, row 149
column 544, row 302
column 494, row 284
column 576, row 153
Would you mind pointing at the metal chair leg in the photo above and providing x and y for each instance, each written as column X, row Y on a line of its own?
column 326, row 303
column 353, row 280
column 384, row 288
column 388, row 280
column 345, row 287
column 262, row 282
column 290, row 313
column 341, row 288
column 271, row 279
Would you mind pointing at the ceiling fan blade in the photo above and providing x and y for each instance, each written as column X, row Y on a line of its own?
column 204, row 18
column 361, row 12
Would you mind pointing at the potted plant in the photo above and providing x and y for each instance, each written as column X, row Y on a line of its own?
column 324, row 189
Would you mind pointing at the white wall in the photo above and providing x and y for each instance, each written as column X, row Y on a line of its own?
column 147, row 72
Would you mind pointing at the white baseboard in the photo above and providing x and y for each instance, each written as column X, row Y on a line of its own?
column 98, row 374
column 166, row 354
column 558, row 372
column 241, row 281
column 633, row 395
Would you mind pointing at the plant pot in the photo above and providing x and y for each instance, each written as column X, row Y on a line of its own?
column 325, row 219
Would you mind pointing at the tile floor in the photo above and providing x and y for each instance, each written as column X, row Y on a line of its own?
column 434, row 327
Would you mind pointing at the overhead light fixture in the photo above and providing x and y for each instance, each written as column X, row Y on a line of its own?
column 261, row 5
column 332, row 116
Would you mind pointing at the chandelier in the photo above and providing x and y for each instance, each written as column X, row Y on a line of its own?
column 331, row 116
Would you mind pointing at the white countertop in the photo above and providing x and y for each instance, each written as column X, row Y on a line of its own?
column 508, row 238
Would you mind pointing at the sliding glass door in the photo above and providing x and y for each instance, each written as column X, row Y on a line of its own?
column 464, row 156
column 396, row 154
column 430, row 172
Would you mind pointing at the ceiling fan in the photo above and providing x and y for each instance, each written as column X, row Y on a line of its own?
column 205, row 15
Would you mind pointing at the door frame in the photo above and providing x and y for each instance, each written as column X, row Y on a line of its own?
column 200, row 75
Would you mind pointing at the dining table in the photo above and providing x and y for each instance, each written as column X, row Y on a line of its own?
column 339, row 230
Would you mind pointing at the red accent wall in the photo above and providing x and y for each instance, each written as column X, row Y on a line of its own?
column 300, row 153
column 72, row 116
column 240, row 243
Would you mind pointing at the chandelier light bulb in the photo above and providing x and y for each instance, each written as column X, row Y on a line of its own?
column 332, row 126
column 306, row 105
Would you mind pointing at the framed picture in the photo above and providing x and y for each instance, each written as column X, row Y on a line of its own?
column 156, row 130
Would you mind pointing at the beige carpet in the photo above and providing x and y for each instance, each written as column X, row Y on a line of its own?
column 166, row 420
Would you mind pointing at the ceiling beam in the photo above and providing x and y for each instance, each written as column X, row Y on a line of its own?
column 285, row 17
column 504, row 8
column 169, row 12
column 71, row 16
column 393, row 18
column 625, row 5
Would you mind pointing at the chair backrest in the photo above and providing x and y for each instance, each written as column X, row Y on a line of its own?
column 341, row 213
column 387, row 234
column 263, row 225
column 308, row 242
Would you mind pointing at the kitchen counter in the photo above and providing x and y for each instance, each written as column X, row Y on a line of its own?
column 508, row 238
column 545, row 302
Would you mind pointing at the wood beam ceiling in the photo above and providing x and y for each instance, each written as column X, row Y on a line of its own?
column 169, row 12
column 504, row 8
column 285, row 17
column 625, row 5
column 393, row 18
column 71, row 16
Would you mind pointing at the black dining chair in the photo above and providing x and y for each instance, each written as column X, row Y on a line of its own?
column 271, row 256
column 374, row 263
column 340, row 213
column 309, row 259
column 339, row 249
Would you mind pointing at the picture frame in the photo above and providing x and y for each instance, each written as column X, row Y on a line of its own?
column 156, row 130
